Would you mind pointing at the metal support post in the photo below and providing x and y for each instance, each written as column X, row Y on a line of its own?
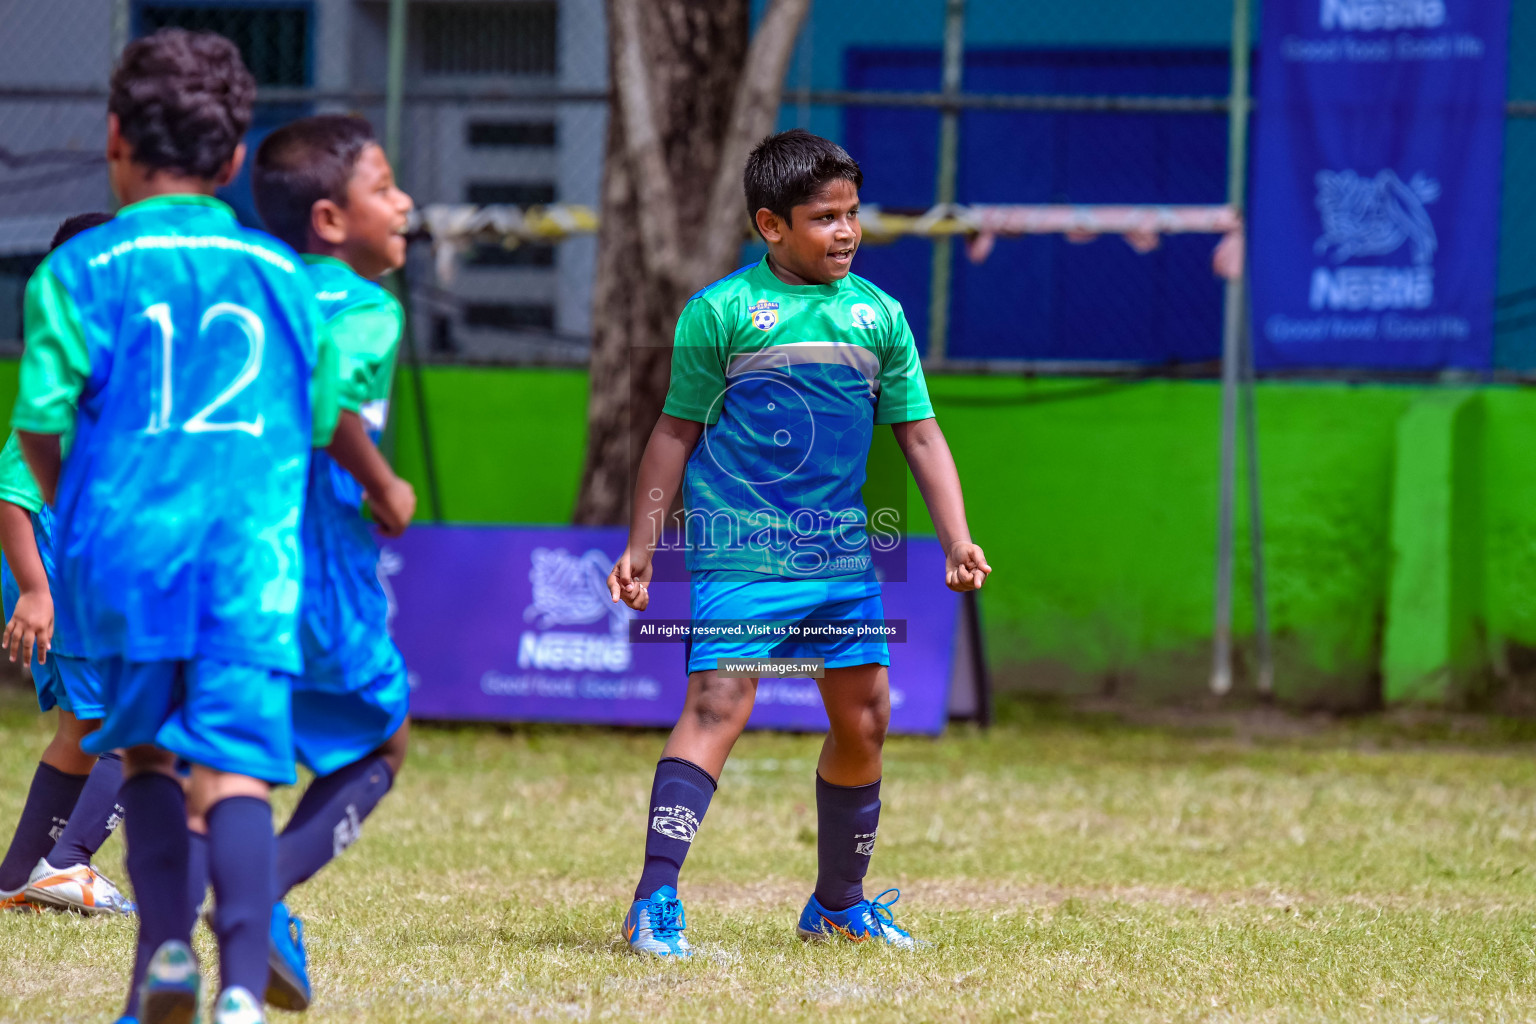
column 1250, row 423
column 394, row 88
column 394, row 141
column 1231, row 356
column 944, row 192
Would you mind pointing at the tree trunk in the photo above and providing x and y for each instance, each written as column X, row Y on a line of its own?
column 690, row 97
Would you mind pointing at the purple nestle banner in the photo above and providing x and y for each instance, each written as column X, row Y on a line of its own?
column 515, row 624
column 1375, row 200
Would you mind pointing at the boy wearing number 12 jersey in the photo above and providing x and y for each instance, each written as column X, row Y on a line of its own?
column 189, row 356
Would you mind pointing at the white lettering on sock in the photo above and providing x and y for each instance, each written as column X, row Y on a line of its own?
column 864, row 845
column 346, row 831
column 675, row 822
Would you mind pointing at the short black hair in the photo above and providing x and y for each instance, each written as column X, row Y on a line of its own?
column 76, row 224
column 183, row 101
column 302, row 163
column 788, row 168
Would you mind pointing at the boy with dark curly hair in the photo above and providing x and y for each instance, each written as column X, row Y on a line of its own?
column 190, row 359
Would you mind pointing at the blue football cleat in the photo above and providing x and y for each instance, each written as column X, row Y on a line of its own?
column 287, row 963
column 655, row 926
column 870, row 919
column 171, row 992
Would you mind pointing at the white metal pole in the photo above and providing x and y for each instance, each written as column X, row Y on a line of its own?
column 1231, row 355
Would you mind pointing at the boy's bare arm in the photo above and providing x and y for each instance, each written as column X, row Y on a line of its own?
column 933, row 467
column 392, row 499
column 31, row 620
column 661, row 471
column 44, row 458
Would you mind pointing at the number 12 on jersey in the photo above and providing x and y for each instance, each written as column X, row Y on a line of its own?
column 162, row 401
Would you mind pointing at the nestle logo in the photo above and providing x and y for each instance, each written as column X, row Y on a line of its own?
column 1379, row 15
column 1375, row 288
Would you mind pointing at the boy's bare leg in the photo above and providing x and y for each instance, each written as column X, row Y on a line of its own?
column 56, row 787
column 858, row 703
column 63, row 751
column 715, row 711
column 97, row 810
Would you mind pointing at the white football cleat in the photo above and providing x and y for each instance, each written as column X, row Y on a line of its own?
column 82, row 889
column 237, row 1006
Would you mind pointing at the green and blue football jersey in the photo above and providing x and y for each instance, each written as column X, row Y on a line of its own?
column 790, row 382
column 19, row 488
column 346, row 610
column 189, row 356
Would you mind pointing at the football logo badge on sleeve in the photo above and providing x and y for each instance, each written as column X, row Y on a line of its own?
column 765, row 315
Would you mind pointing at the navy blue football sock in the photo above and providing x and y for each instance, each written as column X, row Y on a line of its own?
column 96, row 814
column 197, row 889
column 328, row 819
column 680, row 795
column 155, row 816
column 240, row 855
column 46, row 812
column 847, row 818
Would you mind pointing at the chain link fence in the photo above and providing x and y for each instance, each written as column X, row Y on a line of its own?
column 505, row 103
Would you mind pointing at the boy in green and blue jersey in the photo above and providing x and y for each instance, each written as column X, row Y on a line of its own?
column 189, row 358
column 71, row 805
column 323, row 185
column 780, row 372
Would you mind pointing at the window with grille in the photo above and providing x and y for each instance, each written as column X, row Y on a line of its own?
column 509, row 316
column 495, row 134
column 510, row 193
column 274, row 39
column 488, row 38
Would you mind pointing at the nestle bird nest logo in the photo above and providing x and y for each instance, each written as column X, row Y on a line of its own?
column 1375, row 217
column 572, row 590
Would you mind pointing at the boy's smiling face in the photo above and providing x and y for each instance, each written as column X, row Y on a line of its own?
column 368, row 233
column 817, row 244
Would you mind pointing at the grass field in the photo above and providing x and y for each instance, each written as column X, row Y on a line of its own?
column 1066, row 868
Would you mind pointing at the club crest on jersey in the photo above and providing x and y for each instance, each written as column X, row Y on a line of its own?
column 765, row 315
column 863, row 315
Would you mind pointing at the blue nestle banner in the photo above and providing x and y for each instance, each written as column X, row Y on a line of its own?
column 1375, row 189
column 515, row 624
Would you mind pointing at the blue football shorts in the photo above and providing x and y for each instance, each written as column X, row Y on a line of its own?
column 224, row 715
column 774, row 600
column 69, row 684
column 334, row 726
